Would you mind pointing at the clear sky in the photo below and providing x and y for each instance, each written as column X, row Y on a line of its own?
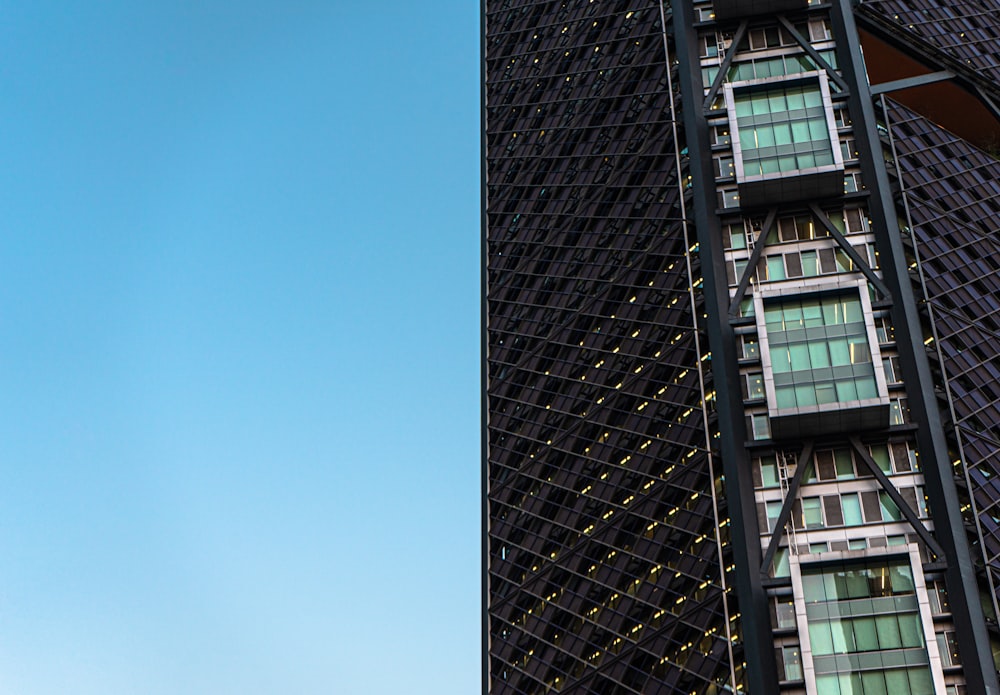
column 239, row 345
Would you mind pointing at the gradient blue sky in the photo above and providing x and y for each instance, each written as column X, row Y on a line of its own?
column 239, row 252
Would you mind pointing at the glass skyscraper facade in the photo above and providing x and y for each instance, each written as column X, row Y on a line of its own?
column 741, row 346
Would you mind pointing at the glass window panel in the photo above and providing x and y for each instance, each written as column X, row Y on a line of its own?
column 901, row 579
column 844, row 463
column 782, row 134
column 920, row 681
column 812, row 512
column 897, row 682
column 840, row 354
column 792, row 659
column 775, row 268
column 760, row 104
column 784, row 611
column 887, row 628
column 805, row 394
column 847, row 390
column 853, row 312
column 764, row 136
column 826, row 393
column 812, row 97
column 812, row 314
column 780, row 361
column 761, row 426
column 792, row 314
column 865, row 636
column 814, row 587
column 852, row 509
column 785, row 397
column 890, row 512
column 821, row 638
column 819, row 355
column 873, row 683
column 860, row 352
column 843, row 636
column 867, row 388
column 829, row 685
column 880, row 454
column 781, row 568
column 799, row 355
column 769, row 472
column 911, row 633
column 809, row 267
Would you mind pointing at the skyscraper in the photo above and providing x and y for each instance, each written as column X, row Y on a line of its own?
column 741, row 346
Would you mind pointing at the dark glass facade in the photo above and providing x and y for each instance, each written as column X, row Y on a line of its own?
column 740, row 350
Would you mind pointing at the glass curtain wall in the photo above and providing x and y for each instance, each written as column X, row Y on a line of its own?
column 865, row 629
column 782, row 129
column 819, row 351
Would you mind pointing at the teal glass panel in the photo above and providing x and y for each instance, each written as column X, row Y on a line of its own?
column 911, row 633
column 830, row 685
column 812, row 513
column 799, row 356
column 813, row 587
column 785, row 396
column 775, row 268
column 781, row 568
column 846, row 390
column 821, row 638
column 867, row 388
column 744, row 108
column 921, row 682
column 782, row 134
column 852, row 509
column 873, row 683
column 805, row 395
column 843, row 636
column 737, row 238
column 840, row 354
column 887, row 628
column 901, row 579
column 865, row 636
column 897, row 681
column 826, row 393
column 880, row 454
column 844, row 464
column 809, row 267
column 812, row 312
column 774, row 318
column 890, row 512
column 769, row 472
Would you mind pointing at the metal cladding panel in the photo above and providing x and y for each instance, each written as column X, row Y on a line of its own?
column 953, row 190
column 604, row 566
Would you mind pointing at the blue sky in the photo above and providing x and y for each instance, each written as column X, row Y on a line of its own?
column 239, row 262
